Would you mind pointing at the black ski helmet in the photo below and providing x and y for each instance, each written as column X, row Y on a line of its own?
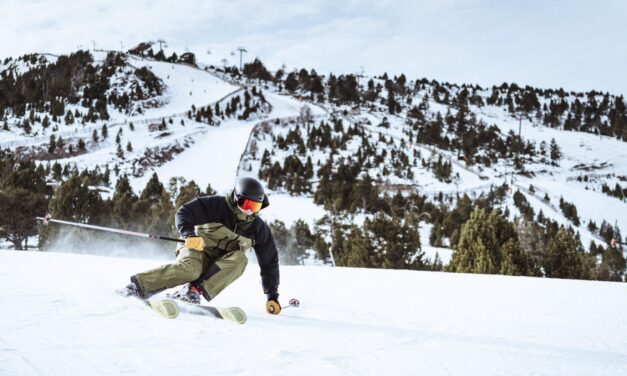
column 249, row 188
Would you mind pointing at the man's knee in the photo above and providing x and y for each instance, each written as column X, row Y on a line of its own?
column 238, row 262
column 222, row 273
column 239, row 258
column 189, row 269
column 231, row 265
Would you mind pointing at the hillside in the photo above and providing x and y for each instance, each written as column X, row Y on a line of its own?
column 351, row 321
column 356, row 158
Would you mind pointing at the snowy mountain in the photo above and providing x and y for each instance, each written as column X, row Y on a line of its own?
column 334, row 150
column 374, row 172
column 445, row 140
column 60, row 316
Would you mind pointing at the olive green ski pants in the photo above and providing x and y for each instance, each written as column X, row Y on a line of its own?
column 210, row 270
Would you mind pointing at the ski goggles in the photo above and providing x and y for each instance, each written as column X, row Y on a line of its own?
column 246, row 204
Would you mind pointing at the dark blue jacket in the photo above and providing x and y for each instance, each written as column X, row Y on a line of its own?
column 209, row 209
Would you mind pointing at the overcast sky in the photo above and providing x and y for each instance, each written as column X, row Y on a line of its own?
column 577, row 45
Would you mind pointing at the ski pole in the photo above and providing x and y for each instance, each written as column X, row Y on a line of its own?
column 293, row 303
column 47, row 219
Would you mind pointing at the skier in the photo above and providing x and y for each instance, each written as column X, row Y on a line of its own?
column 217, row 231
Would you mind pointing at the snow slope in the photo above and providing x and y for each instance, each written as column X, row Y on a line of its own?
column 602, row 159
column 60, row 316
column 215, row 155
column 213, row 159
column 185, row 86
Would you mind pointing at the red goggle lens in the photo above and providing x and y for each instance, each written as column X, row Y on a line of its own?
column 246, row 204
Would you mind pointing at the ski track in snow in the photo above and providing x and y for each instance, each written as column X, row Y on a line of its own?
column 60, row 316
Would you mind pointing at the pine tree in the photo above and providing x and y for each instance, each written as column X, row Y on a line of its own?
column 187, row 193
column 355, row 250
column 391, row 103
column 282, row 239
column 291, row 82
column 488, row 244
column 155, row 208
column 122, row 202
column 612, row 266
column 75, row 201
column 514, row 260
column 27, row 127
column 209, row 191
column 562, row 260
column 69, row 118
column 52, row 145
column 24, row 194
column 153, row 190
column 81, row 144
column 555, row 152
column 303, row 239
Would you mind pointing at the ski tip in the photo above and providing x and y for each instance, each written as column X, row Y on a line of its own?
column 166, row 308
column 234, row 314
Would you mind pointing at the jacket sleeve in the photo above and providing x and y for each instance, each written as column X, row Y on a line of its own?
column 192, row 213
column 268, row 258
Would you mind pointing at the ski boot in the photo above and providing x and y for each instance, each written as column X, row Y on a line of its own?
column 188, row 294
column 132, row 289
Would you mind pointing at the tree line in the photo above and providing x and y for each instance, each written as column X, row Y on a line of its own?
column 592, row 112
column 28, row 190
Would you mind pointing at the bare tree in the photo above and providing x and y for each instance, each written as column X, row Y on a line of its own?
column 306, row 115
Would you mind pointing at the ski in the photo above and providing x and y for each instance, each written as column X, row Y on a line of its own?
column 171, row 308
column 234, row 314
column 165, row 307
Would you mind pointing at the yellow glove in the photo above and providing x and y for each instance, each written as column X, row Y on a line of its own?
column 195, row 242
column 273, row 307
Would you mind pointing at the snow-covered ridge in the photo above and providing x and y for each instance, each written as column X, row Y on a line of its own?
column 583, row 155
column 235, row 147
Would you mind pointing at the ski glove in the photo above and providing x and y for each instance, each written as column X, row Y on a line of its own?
column 195, row 242
column 272, row 305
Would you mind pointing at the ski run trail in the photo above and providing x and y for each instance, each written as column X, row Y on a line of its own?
column 59, row 315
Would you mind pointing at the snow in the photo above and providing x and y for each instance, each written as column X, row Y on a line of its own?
column 430, row 252
column 186, row 86
column 286, row 106
column 289, row 209
column 578, row 148
column 213, row 159
column 60, row 316
column 215, row 156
